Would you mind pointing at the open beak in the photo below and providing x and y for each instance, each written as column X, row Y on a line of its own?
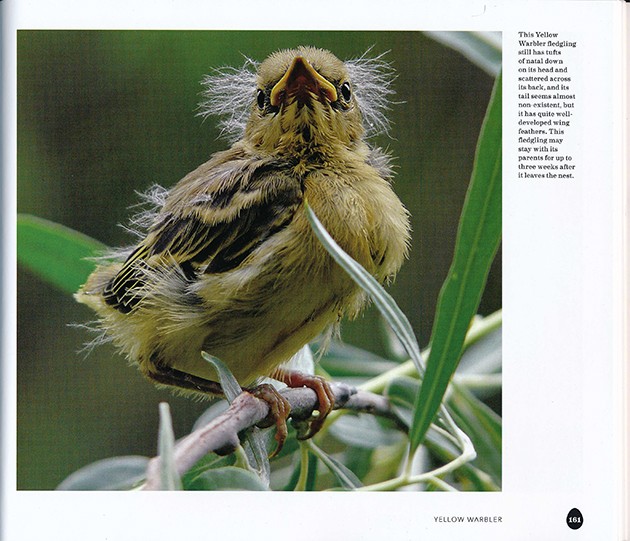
column 301, row 80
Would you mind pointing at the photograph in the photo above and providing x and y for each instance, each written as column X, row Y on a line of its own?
column 299, row 227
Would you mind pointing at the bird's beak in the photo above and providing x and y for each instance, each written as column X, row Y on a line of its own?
column 301, row 79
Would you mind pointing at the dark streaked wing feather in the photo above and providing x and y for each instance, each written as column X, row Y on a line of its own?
column 197, row 245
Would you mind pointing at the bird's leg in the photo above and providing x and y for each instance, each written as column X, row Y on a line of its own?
column 325, row 396
column 167, row 375
column 279, row 407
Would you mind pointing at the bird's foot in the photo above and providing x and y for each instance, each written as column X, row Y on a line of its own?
column 279, row 409
column 325, row 399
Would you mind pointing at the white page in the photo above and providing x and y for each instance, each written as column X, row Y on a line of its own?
column 562, row 332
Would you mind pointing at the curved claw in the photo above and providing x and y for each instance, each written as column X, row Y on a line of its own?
column 279, row 410
column 325, row 397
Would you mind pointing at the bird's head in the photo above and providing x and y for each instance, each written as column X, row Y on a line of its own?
column 304, row 98
column 301, row 99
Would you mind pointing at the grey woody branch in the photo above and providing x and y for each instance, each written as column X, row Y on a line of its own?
column 221, row 435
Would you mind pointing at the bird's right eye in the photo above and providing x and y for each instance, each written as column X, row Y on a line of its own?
column 346, row 92
column 260, row 98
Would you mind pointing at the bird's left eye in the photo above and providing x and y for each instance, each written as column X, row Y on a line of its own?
column 346, row 92
column 260, row 98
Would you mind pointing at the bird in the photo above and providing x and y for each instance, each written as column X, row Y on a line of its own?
column 226, row 261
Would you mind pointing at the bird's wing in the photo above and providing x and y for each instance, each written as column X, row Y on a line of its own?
column 209, row 226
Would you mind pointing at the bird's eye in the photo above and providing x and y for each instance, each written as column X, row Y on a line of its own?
column 260, row 98
column 346, row 93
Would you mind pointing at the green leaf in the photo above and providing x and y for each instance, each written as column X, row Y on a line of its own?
column 118, row 473
column 470, row 477
column 483, row 427
column 255, row 446
column 484, row 356
column 312, row 474
column 477, row 241
column 480, row 423
column 402, row 392
column 229, row 478
column 255, row 443
column 293, row 479
column 169, row 478
column 364, row 431
column 482, row 48
column 346, row 478
column 343, row 360
column 209, row 462
column 229, row 384
column 55, row 253
column 360, row 461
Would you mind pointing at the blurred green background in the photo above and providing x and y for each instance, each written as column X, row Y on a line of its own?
column 104, row 114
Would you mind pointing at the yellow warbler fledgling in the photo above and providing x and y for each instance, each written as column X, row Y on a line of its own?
column 227, row 262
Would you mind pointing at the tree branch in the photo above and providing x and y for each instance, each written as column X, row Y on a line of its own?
column 221, row 435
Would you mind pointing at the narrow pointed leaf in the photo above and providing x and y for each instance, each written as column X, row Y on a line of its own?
column 364, row 431
column 383, row 300
column 346, row 478
column 55, row 253
column 169, row 479
column 484, row 49
column 478, row 239
column 483, row 427
column 118, row 473
column 228, row 382
column 228, row 478
column 255, row 443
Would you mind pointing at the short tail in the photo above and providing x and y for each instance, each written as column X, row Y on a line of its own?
column 91, row 293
